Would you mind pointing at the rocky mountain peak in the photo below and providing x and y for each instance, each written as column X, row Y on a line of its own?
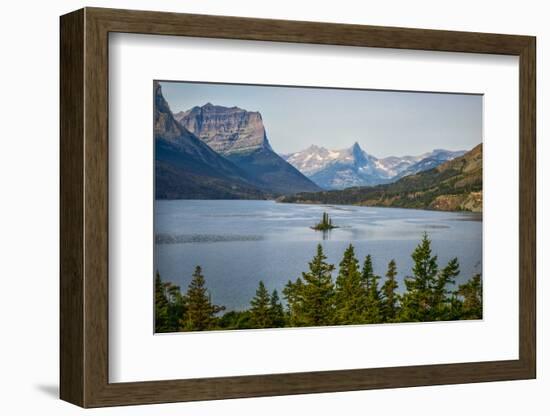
column 227, row 130
column 359, row 156
column 352, row 166
column 165, row 125
column 314, row 148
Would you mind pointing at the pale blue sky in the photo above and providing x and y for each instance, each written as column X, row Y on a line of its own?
column 384, row 123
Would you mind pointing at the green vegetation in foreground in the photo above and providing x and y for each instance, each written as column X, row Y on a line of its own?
column 455, row 185
column 314, row 299
column 325, row 224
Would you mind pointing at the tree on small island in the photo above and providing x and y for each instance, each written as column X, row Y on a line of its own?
column 325, row 224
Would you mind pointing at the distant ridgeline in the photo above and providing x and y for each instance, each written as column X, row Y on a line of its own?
column 345, row 168
column 356, row 296
column 455, row 185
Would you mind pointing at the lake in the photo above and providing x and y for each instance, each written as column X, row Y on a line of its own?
column 239, row 242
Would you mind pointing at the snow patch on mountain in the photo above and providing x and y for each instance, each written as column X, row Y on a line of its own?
column 343, row 168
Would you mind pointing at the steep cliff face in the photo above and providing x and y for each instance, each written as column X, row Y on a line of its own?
column 227, row 130
column 240, row 136
column 186, row 168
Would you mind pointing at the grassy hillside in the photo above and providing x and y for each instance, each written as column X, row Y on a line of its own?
column 455, row 185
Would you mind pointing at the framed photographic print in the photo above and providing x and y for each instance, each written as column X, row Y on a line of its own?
column 256, row 207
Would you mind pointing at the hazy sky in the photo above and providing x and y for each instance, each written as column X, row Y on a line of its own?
column 384, row 123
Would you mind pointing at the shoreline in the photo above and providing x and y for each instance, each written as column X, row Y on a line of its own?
column 480, row 213
column 276, row 200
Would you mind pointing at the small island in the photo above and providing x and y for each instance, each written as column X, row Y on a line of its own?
column 325, row 224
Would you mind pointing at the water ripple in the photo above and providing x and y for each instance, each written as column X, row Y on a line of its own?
column 203, row 238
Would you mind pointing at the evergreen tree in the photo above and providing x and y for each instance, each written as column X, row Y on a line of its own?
column 176, row 307
column 201, row 313
column 455, row 307
column 259, row 308
column 276, row 311
column 390, row 297
column 367, row 273
column 373, row 313
column 235, row 320
column 161, row 306
column 292, row 293
column 313, row 299
column 350, row 294
column 317, row 292
column 325, row 224
column 472, row 293
column 418, row 299
column 441, row 300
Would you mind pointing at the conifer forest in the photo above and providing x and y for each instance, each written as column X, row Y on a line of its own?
column 349, row 293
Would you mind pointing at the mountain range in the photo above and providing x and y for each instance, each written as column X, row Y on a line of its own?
column 240, row 137
column 339, row 169
column 215, row 152
column 455, row 185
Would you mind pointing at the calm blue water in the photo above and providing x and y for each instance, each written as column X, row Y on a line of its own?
column 238, row 243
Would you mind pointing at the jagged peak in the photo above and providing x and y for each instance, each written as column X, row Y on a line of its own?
column 358, row 154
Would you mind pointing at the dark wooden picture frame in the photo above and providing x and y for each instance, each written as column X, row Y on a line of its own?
column 84, row 207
